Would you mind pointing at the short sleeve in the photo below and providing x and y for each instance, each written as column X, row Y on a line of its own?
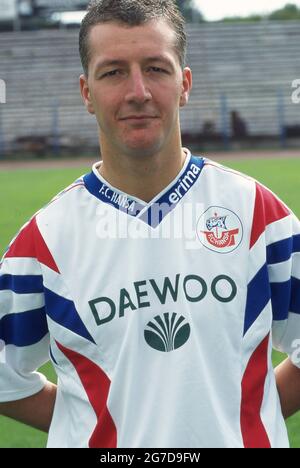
column 283, row 258
column 24, row 337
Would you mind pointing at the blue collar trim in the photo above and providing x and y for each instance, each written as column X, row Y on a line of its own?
column 154, row 212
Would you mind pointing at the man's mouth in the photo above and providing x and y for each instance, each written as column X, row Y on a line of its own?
column 138, row 117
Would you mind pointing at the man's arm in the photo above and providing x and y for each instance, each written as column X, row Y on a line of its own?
column 288, row 385
column 35, row 411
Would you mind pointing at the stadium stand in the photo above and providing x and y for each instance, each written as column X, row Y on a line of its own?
column 248, row 63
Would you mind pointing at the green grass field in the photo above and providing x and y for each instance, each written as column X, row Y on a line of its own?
column 24, row 192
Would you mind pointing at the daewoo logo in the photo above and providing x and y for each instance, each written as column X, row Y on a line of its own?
column 137, row 296
column 167, row 332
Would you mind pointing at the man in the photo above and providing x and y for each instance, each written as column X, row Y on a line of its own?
column 156, row 279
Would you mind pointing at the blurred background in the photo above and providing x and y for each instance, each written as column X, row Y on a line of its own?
column 244, row 110
column 246, row 71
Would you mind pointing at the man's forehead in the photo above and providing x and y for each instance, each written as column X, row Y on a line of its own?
column 112, row 34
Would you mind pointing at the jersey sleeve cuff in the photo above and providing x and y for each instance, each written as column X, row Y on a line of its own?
column 14, row 395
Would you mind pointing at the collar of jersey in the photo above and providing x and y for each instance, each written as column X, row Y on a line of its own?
column 168, row 198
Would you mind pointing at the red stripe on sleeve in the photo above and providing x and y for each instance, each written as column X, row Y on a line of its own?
column 267, row 210
column 30, row 244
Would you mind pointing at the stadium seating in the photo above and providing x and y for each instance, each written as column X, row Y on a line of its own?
column 249, row 63
column 252, row 64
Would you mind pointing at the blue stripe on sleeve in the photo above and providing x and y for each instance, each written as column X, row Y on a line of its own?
column 25, row 328
column 285, row 298
column 295, row 296
column 25, row 284
column 258, row 296
column 63, row 312
column 280, row 297
column 282, row 250
column 296, row 243
column 279, row 251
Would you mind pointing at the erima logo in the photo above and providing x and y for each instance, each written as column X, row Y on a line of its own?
column 184, row 184
column 167, row 333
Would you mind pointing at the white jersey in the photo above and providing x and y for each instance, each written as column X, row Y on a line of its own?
column 159, row 318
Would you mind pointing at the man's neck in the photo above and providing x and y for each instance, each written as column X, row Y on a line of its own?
column 143, row 178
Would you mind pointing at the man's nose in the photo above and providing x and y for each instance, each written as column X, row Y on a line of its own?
column 138, row 90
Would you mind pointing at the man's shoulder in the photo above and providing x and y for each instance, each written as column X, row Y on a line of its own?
column 227, row 178
column 64, row 199
column 226, row 171
column 52, row 215
column 234, row 179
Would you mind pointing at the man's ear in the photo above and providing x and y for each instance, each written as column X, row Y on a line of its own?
column 187, row 83
column 86, row 94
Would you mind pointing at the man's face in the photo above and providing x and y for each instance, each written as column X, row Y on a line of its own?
column 135, row 86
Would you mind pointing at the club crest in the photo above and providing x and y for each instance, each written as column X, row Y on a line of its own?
column 220, row 229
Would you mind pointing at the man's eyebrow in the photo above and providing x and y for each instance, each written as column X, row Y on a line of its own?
column 159, row 58
column 116, row 62
column 108, row 63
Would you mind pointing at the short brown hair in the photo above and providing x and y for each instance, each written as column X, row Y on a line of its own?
column 132, row 13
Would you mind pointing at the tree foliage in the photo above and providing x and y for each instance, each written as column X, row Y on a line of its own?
column 190, row 11
column 192, row 14
column 288, row 12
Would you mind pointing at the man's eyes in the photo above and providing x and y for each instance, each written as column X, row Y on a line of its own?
column 110, row 73
column 113, row 73
column 158, row 70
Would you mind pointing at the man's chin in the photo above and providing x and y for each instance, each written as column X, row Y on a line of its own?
column 144, row 149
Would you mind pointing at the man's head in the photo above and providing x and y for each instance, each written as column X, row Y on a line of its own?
column 135, row 82
column 132, row 13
